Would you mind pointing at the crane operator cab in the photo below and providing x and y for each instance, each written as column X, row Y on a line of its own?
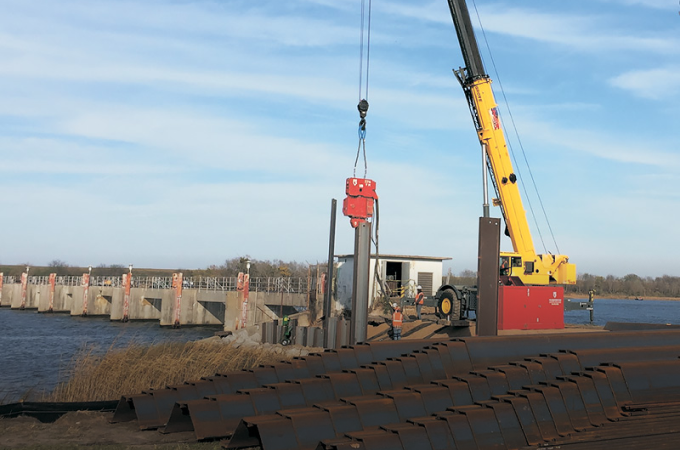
column 505, row 266
column 510, row 265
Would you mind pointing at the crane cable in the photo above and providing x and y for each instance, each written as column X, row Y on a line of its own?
column 363, row 93
column 526, row 161
column 362, row 107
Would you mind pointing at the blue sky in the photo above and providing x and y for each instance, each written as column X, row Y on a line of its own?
column 169, row 133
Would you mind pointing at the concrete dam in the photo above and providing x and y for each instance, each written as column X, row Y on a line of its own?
column 200, row 300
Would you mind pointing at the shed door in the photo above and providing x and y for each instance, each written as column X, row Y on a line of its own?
column 425, row 280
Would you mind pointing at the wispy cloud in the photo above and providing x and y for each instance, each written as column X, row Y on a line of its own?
column 581, row 32
column 656, row 4
column 585, row 32
column 603, row 144
column 655, row 84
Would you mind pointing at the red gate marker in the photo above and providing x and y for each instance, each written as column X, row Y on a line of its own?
column 246, row 294
column 127, row 281
column 24, row 286
column 177, row 279
column 243, row 286
column 86, row 289
column 53, row 282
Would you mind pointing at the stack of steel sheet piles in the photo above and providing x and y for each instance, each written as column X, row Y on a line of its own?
column 468, row 393
column 153, row 408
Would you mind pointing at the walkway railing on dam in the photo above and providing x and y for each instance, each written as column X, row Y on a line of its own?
column 288, row 285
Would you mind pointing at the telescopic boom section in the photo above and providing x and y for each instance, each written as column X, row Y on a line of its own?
column 524, row 262
column 467, row 41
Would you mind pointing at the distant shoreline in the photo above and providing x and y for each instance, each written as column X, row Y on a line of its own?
column 622, row 297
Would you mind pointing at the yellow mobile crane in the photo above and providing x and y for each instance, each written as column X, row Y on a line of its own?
column 523, row 264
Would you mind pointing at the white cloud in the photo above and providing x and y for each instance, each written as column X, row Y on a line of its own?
column 656, row 4
column 655, row 84
column 584, row 33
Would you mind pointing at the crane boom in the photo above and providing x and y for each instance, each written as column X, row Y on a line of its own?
column 523, row 262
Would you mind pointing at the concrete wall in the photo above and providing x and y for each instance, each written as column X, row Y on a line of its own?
column 198, row 307
column 7, row 293
column 99, row 300
column 434, row 267
column 148, row 304
column 15, row 296
column 343, row 284
column 410, row 269
column 63, row 300
column 257, row 311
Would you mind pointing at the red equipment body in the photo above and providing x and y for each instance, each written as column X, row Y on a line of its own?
column 359, row 203
column 530, row 307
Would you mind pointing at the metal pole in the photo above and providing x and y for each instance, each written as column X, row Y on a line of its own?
column 362, row 257
column 329, row 278
column 485, row 182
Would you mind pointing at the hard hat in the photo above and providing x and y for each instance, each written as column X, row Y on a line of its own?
column 419, row 287
column 394, row 305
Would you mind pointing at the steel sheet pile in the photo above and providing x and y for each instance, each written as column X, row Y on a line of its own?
column 574, row 390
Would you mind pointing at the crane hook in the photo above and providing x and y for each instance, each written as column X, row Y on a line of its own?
column 363, row 108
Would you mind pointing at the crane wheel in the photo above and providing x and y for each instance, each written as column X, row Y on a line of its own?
column 448, row 305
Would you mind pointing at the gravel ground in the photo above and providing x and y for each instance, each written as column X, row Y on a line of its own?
column 91, row 430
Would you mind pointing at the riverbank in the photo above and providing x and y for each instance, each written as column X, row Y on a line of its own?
column 136, row 368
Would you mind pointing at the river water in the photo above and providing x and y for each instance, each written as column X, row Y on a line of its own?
column 36, row 349
column 647, row 311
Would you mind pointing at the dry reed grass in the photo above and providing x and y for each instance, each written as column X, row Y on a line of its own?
column 135, row 368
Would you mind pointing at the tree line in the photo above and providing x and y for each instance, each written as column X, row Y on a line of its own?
column 630, row 285
column 230, row 268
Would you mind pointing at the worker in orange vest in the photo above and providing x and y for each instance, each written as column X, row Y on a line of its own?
column 397, row 321
column 420, row 299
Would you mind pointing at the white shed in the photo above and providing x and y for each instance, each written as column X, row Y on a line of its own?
column 398, row 271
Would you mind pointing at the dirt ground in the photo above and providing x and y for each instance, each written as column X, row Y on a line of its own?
column 85, row 429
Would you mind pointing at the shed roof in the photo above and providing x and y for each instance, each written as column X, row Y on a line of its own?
column 407, row 257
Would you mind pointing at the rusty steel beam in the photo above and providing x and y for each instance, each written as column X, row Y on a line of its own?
column 361, row 283
column 487, row 276
column 329, row 330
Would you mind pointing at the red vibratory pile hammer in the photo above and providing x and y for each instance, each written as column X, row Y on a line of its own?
column 359, row 203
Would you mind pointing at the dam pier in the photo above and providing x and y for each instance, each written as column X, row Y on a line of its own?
column 230, row 302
